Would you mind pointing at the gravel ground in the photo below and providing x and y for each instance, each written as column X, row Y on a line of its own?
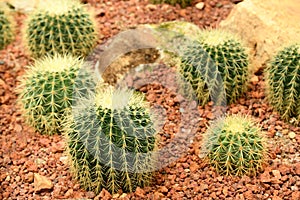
column 25, row 154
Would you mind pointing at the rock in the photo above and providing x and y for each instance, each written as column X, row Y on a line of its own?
column 69, row 193
column 151, row 7
column 41, row 183
column 24, row 5
column 104, row 195
column 64, row 159
column 200, row 5
column 194, row 167
column 277, row 176
column 123, row 195
column 164, row 189
column 139, row 192
column 295, row 195
column 297, row 169
column 265, row 177
column 265, row 26
column 254, row 80
column 29, row 177
column 292, row 135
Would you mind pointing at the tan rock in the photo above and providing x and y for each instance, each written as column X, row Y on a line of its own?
column 24, row 5
column 41, row 183
column 200, row 5
column 292, row 135
column 265, row 25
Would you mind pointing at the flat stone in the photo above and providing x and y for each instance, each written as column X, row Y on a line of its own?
column 25, row 6
column 41, row 183
column 200, row 5
column 266, row 26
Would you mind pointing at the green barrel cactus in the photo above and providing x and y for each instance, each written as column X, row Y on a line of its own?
column 234, row 145
column 6, row 26
column 215, row 52
column 182, row 3
column 46, row 91
column 60, row 27
column 111, row 142
column 283, row 82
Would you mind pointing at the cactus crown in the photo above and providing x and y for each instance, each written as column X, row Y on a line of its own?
column 235, row 146
column 64, row 27
column 283, row 82
column 110, row 146
column 6, row 26
column 216, row 52
column 46, row 91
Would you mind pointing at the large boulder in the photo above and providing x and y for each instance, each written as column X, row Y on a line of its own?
column 266, row 25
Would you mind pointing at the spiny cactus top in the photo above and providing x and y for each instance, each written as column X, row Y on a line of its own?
column 60, row 27
column 110, row 142
column 283, row 82
column 216, row 52
column 182, row 3
column 46, row 91
column 235, row 146
column 6, row 26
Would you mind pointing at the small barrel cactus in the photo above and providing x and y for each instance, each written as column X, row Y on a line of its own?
column 283, row 83
column 235, row 146
column 6, row 26
column 111, row 142
column 46, row 91
column 60, row 27
column 215, row 52
column 182, row 3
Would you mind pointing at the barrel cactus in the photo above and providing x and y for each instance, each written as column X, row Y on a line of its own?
column 6, row 26
column 111, row 142
column 46, row 91
column 234, row 145
column 182, row 3
column 283, row 82
column 60, row 27
column 215, row 54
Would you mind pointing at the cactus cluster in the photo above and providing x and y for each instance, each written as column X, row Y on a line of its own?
column 60, row 27
column 283, row 82
column 46, row 91
column 182, row 3
column 6, row 26
column 235, row 146
column 215, row 52
column 111, row 140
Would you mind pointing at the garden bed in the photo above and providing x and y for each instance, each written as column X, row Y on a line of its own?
column 24, row 152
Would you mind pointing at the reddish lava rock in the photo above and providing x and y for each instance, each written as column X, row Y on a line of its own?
column 24, row 152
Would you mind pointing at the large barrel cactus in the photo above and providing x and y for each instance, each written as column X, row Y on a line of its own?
column 235, row 146
column 60, row 27
column 283, row 82
column 6, row 26
column 216, row 54
column 111, row 142
column 46, row 91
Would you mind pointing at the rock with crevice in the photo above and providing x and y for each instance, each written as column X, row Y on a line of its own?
column 266, row 26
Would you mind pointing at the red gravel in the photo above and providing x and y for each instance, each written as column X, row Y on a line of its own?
column 24, row 152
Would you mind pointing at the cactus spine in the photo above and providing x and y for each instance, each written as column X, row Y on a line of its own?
column 235, row 146
column 216, row 49
column 111, row 141
column 283, row 82
column 6, row 26
column 60, row 27
column 46, row 91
